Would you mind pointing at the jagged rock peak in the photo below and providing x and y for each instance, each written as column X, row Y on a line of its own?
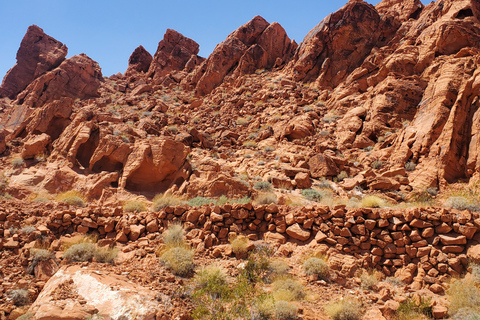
column 139, row 61
column 38, row 54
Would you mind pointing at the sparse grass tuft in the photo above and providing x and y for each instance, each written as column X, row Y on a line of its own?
column 411, row 309
column 262, row 185
column 77, row 240
column 242, row 121
column 38, row 255
column 285, row 310
column 134, row 206
column 345, row 309
column 179, row 260
column 213, row 281
column 278, row 268
column 80, row 252
column 341, row 176
column 464, row 294
column 316, row 266
column 372, row 202
column 288, row 289
column 200, row 201
column 377, row 164
column 72, row 197
column 410, row 166
column 165, row 200
column 17, row 162
column 250, row 144
column 369, row 279
column 239, row 244
column 105, row 254
column 28, row 229
column 19, row 297
column 174, row 236
column 266, row 198
column 312, row 195
column 462, row 203
column 26, row 316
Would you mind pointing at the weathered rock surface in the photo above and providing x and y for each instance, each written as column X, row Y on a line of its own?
column 38, row 54
column 139, row 61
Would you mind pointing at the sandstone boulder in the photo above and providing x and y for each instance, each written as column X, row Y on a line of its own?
column 38, row 54
column 76, row 77
column 322, row 165
column 297, row 232
column 3, row 138
column 139, row 61
column 35, row 145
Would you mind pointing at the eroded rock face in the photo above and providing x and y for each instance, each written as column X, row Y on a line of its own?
column 255, row 45
column 139, row 61
column 38, row 54
column 174, row 52
column 106, row 294
column 77, row 77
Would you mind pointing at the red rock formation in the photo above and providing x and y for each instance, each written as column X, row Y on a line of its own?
column 174, row 53
column 77, row 77
column 139, row 61
column 38, row 54
column 255, row 45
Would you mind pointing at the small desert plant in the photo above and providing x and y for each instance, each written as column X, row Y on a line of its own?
column 179, row 260
column 28, row 229
column 269, row 148
column 200, row 201
column 80, row 252
column 134, row 206
column 173, row 129
column 250, row 144
column 262, row 185
column 105, row 254
column 345, row 309
column 410, row 166
column 72, row 197
column 278, row 268
column 312, row 195
column 464, row 294
column 161, row 201
column 212, row 280
column 377, row 164
column 288, row 289
column 285, row 310
column 41, row 157
column 264, row 308
column 19, row 297
column 467, row 314
column 316, row 266
column 461, row 203
column 242, row 121
column 26, row 316
column 341, row 176
column 369, row 279
column 372, row 202
column 174, row 236
column 266, row 198
column 411, row 309
column 17, row 162
column 239, row 244
column 432, row 191
column 67, row 243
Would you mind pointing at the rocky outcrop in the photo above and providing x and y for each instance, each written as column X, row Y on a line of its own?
column 174, row 53
column 400, row 9
column 139, row 61
column 255, row 45
column 38, row 54
column 103, row 293
column 76, row 77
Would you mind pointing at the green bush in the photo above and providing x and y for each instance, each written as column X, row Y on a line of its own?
column 262, row 185
column 212, row 280
column 80, row 252
column 312, row 195
column 411, row 309
column 316, row 266
column 19, row 297
column 200, row 201
column 345, row 309
column 105, row 254
column 179, row 260
column 174, row 236
column 134, row 206
column 285, row 310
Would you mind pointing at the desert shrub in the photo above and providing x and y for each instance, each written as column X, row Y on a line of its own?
column 134, row 206
column 174, row 236
column 377, row 164
column 212, row 280
column 278, row 268
column 369, row 279
column 3, row 184
column 345, row 309
column 432, row 191
column 200, row 201
column 266, row 198
column 161, row 201
column 263, row 309
column 467, row 314
column 464, row 294
column 242, row 121
column 285, row 310
column 411, row 309
column 19, row 297
column 72, row 197
column 38, row 255
column 312, row 195
column 462, row 203
column 17, row 162
column 269, row 148
column 410, row 166
column 26, row 316
column 250, row 144
column 262, row 185
column 245, row 199
column 179, row 260
column 173, row 129
column 316, row 266
column 239, row 244
column 288, row 289
column 28, row 229
column 67, row 243
column 325, row 184
column 80, row 252
column 341, row 176
column 372, row 202
column 105, row 254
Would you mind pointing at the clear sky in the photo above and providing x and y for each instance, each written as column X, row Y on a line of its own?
column 109, row 30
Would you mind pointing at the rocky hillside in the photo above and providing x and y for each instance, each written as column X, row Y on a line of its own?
column 376, row 107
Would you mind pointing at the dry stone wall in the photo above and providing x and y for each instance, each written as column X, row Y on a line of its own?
column 430, row 243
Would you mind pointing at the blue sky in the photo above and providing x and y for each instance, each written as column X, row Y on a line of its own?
column 109, row 30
